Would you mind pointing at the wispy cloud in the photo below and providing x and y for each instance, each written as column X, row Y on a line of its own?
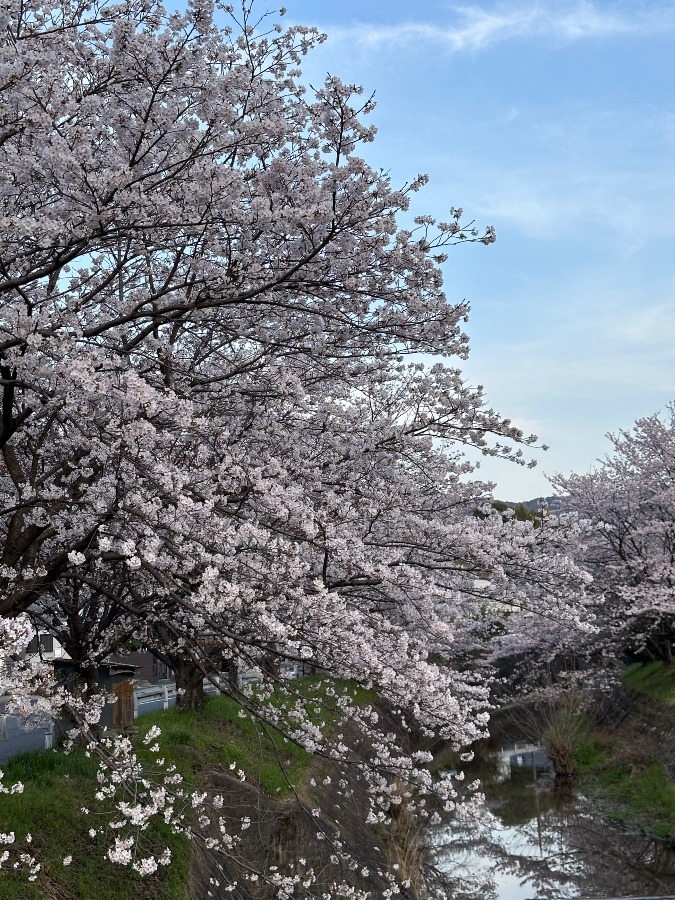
column 632, row 206
column 476, row 27
column 569, row 169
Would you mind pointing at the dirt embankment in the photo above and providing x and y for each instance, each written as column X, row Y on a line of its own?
column 648, row 724
column 285, row 836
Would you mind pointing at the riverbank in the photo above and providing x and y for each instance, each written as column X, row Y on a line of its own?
column 604, row 832
column 627, row 760
column 270, row 808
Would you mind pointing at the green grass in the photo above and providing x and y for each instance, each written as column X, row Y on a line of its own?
column 217, row 737
column 646, row 798
column 650, row 796
column 590, row 753
column 57, row 786
column 633, row 784
column 655, row 680
column 623, row 766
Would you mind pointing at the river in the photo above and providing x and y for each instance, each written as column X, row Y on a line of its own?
column 541, row 840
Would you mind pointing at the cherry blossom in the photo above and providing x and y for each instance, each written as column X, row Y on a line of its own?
column 217, row 434
column 627, row 502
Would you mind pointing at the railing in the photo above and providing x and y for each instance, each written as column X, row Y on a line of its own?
column 153, row 697
column 16, row 738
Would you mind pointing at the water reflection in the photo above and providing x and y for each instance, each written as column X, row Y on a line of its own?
column 539, row 841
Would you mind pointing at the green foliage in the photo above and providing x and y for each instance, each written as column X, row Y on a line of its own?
column 130, row 645
column 655, row 680
column 519, row 512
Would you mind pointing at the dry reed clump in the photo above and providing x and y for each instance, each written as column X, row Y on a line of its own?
column 557, row 722
column 406, row 850
column 637, row 753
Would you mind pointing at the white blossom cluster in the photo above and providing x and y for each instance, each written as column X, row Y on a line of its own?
column 627, row 506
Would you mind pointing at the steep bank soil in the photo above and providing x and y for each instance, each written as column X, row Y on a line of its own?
column 648, row 724
column 284, row 835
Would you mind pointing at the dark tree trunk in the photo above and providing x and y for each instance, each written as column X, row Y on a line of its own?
column 660, row 648
column 189, row 684
column 233, row 676
column 271, row 664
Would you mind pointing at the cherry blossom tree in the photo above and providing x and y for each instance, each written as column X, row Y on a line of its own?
column 213, row 433
column 629, row 503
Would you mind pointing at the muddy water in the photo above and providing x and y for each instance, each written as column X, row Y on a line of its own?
column 539, row 840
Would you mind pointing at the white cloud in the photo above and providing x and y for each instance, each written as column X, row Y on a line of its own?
column 476, row 27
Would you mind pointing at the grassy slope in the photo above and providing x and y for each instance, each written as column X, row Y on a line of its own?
column 654, row 680
column 57, row 786
column 623, row 765
column 219, row 737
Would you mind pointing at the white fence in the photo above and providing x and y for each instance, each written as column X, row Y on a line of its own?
column 153, row 697
column 17, row 737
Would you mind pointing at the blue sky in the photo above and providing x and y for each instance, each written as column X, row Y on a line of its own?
column 554, row 122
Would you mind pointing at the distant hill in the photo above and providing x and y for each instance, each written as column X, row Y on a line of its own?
column 531, row 509
column 555, row 504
